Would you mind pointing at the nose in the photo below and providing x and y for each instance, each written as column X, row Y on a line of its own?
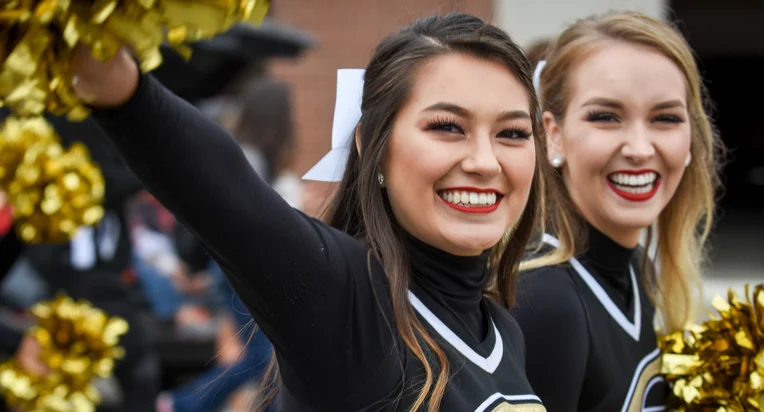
column 482, row 159
column 639, row 146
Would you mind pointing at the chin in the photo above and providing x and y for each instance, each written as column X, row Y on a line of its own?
column 634, row 222
column 465, row 245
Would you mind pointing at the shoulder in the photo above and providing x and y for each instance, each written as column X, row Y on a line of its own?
column 551, row 297
column 506, row 323
column 345, row 254
column 549, row 310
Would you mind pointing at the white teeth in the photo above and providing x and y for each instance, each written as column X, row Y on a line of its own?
column 636, row 190
column 641, row 181
column 469, row 199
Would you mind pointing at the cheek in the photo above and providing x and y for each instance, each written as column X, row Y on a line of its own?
column 414, row 163
column 674, row 150
column 518, row 166
column 587, row 154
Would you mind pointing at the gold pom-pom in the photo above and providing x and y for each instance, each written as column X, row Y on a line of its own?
column 79, row 343
column 718, row 366
column 38, row 37
column 53, row 191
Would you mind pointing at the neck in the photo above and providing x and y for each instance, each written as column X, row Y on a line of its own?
column 456, row 281
column 609, row 257
column 626, row 237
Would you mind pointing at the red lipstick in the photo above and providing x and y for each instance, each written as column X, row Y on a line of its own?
column 636, row 197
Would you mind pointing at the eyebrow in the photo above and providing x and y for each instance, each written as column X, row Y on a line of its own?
column 462, row 112
column 615, row 104
column 670, row 104
column 601, row 101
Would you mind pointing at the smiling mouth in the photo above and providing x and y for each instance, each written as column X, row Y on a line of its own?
column 471, row 200
column 634, row 186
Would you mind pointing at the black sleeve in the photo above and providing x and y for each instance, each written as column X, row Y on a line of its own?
column 315, row 291
column 10, row 339
column 10, row 250
column 190, row 250
column 555, row 326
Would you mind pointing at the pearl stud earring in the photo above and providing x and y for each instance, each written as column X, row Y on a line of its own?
column 557, row 160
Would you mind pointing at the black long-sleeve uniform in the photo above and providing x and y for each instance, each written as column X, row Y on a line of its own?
column 318, row 294
column 588, row 326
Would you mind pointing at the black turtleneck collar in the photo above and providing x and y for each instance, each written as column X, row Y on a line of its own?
column 455, row 283
column 609, row 262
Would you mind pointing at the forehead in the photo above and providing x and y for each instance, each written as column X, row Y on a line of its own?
column 475, row 84
column 628, row 72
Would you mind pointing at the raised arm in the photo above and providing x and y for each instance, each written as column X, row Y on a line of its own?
column 307, row 285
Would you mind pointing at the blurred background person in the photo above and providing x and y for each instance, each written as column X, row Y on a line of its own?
column 95, row 265
column 538, row 51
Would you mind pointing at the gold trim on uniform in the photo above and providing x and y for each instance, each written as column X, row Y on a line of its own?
column 528, row 407
column 649, row 372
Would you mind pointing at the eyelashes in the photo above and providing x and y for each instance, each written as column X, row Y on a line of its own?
column 601, row 116
column 444, row 125
column 440, row 124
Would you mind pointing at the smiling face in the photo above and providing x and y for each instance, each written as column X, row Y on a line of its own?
column 461, row 156
column 625, row 138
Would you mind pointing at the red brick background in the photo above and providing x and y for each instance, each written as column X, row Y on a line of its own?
column 346, row 32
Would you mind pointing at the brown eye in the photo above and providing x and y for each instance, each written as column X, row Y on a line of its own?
column 446, row 126
column 515, row 134
column 601, row 116
column 669, row 118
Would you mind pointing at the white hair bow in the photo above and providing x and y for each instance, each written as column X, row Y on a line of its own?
column 537, row 76
column 347, row 114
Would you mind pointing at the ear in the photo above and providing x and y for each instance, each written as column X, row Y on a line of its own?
column 553, row 136
column 358, row 139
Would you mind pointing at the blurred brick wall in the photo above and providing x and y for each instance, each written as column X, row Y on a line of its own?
column 346, row 32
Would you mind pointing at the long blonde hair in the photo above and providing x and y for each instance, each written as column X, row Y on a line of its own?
column 684, row 225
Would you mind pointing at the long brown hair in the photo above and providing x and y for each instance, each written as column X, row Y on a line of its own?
column 684, row 224
column 361, row 208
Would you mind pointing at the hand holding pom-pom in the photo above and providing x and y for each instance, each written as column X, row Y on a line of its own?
column 71, row 344
column 39, row 38
column 104, row 84
column 29, row 357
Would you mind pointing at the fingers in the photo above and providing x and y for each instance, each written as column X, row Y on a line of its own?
column 100, row 83
column 29, row 357
column 34, row 367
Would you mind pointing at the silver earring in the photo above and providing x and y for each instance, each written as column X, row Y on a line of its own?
column 381, row 179
column 557, row 160
column 687, row 160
